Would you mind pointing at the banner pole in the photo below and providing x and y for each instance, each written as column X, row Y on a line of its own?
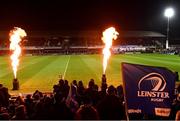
column 124, row 92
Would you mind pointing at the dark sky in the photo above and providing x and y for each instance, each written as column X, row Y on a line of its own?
column 89, row 15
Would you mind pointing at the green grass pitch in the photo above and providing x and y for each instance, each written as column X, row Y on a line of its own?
column 42, row 72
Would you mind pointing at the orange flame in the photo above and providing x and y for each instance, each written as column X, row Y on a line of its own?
column 16, row 36
column 108, row 35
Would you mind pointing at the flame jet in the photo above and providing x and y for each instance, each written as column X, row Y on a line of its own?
column 109, row 35
column 15, row 36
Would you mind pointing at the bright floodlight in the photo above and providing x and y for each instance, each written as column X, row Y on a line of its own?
column 169, row 12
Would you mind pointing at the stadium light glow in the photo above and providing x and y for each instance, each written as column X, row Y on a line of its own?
column 169, row 12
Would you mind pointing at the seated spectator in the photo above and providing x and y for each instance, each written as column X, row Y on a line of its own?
column 110, row 108
column 20, row 113
column 86, row 112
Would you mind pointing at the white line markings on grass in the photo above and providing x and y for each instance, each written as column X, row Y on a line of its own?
column 66, row 67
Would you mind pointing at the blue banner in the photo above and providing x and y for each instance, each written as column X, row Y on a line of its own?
column 148, row 90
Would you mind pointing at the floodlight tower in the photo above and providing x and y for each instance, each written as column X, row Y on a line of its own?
column 169, row 12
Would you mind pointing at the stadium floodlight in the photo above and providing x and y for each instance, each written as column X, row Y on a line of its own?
column 169, row 12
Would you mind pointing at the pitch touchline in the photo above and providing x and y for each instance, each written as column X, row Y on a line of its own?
column 66, row 67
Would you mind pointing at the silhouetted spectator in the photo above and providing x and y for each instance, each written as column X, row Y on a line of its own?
column 61, row 112
column 61, row 82
column 74, row 89
column 80, row 93
column 91, row 84
column 120, row 93
column 4, row 96
column 80, row 88
column 89, row 92
column 86, row 112
column 37, row 95
column 71, row 100
column 29, row 105
column 110, row 108
column 95, row 95
column 103, row 93
column 56, row 89
column 20, row 113
column 66, row 88
column 19, row 101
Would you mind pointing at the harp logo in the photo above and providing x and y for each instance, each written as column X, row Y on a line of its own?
column 157, row 80
column 153, row 85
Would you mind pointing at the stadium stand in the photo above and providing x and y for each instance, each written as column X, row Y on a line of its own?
column 89, row 42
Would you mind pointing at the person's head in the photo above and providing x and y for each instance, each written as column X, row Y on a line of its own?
column 36, row 96
column 55, row 88
column 80, row 84
column 28, row 97
column 86, row 112
column 1, row 85
column 120, row 90
column 74, row 82
column 61, row 82
column 92, row 80
column 66, row 82
column 111, row 90
column 91, row 83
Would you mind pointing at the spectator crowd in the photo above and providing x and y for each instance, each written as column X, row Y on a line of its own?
column 72, row 102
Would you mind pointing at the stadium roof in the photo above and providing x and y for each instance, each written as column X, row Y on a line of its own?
column 141, row 34
column 85, row 34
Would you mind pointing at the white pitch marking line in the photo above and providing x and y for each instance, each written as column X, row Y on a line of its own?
column 66, row 67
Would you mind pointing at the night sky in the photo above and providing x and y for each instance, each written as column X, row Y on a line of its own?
column 89, row 15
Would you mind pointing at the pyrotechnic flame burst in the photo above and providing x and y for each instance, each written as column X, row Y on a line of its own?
column 109, row 35
column 16, row 36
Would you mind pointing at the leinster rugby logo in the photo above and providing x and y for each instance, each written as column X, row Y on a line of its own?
column 157, row 81
column 153, row 86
